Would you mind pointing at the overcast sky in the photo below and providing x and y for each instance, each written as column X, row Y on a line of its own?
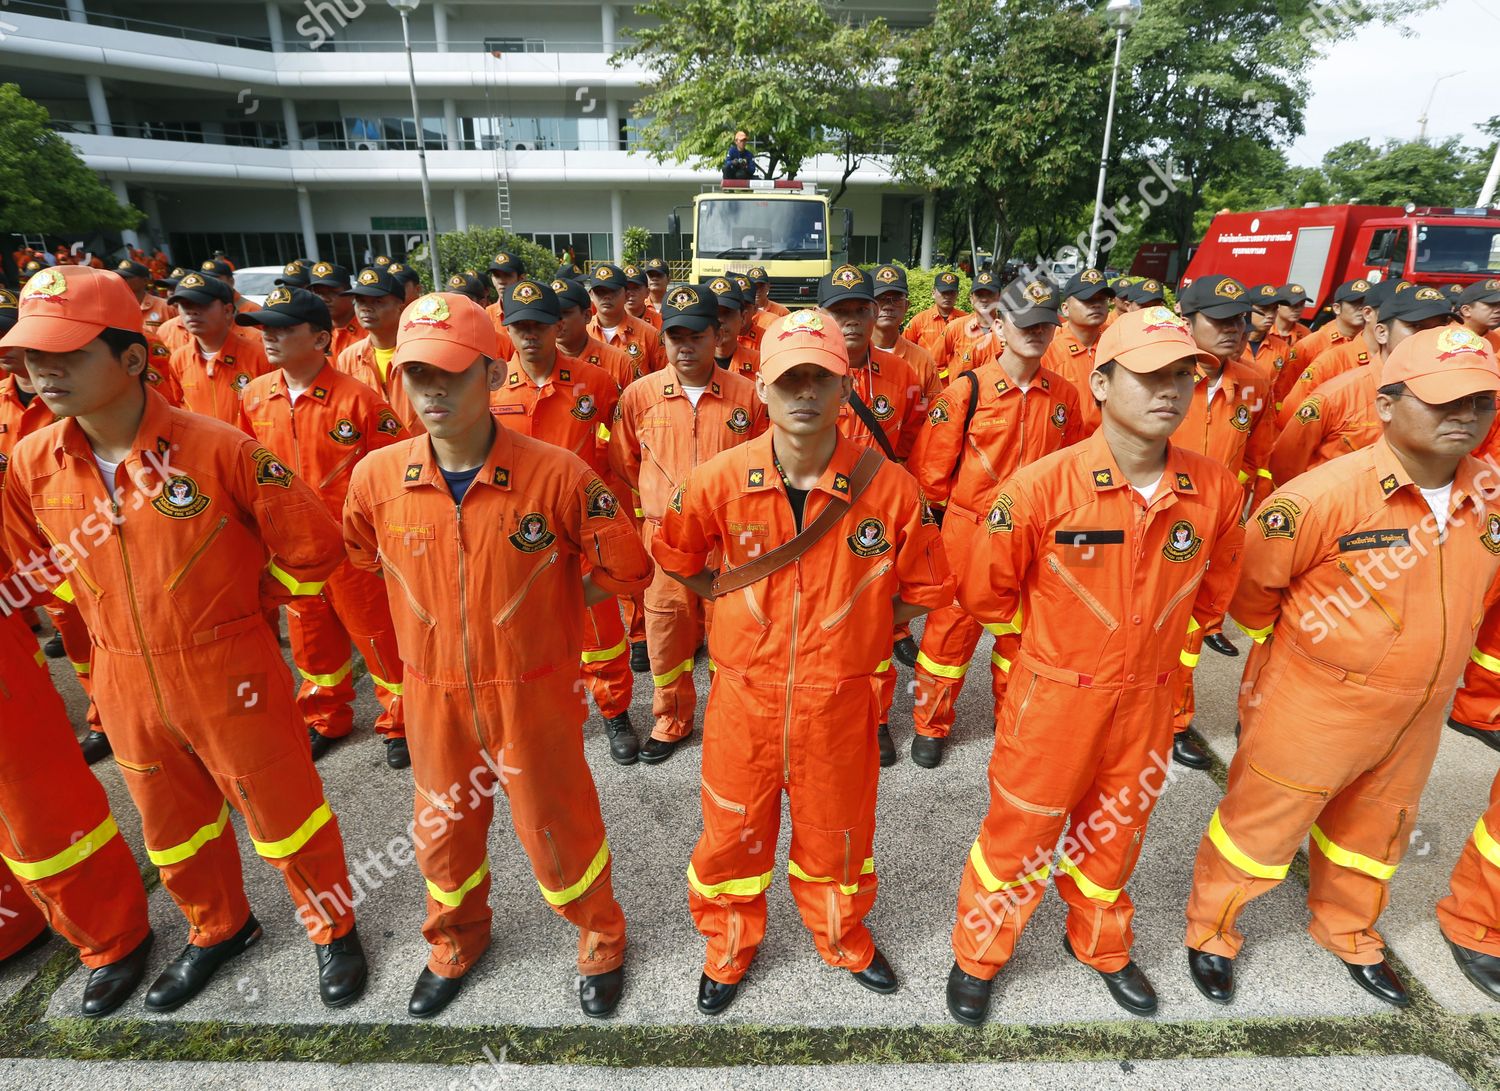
column 1376, row 84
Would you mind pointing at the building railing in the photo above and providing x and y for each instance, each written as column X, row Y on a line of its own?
column 274, row 138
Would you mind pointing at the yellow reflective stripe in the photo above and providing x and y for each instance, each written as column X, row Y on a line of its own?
column 1231, row 852
column 389, row 687
column 640, row 513
column 329, row 680
column 1193, row 626
column 279, row 850
column 1488, row 847
column 189, row 848
column 63, row 592
column 1260, row 635
column 712, row 666
column 744, row 888
column 593, row 871
column 1000, row 661
column 794, row 870
column 604, row 655
column 1355, row 861
column 603, row 434
column 941, row 670
column 883, row 666
column 1488, row 662
column 675, row 673
column 1090, row 888
column 1265, row 473
column 41, row 660
column 72, row 856
column 1005, row 628
column 992, row 884
column 453, row 898
column 287, row 580
column 1189, row 659
column 1243, row 477
column 80, row 669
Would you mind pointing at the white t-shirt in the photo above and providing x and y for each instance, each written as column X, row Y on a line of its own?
column 1148, row 493
column 608, row 331
column 108, row 471
column 694, row 393
column 1214, row 385
column 1438, row 500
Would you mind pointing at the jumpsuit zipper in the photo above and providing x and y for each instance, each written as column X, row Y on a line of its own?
column 1015, row 729
column 1400, row 825
column 54, row 911
column 52, row 540
column 11, row 833
column 187, row 566
column 463, row 622
column 1374, row 597
column 333, row 474
column 1191, row 585
column 833, row 906
column 509, row 609
column 859, row 588
column 720, row 800
column 1022, row 805
column 411, row 600
column 1083, row 593
column 1321, row 793
column 754, row 607
column 140, row 635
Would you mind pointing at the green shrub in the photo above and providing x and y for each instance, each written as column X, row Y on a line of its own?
column 476, row 248
column 637, row 239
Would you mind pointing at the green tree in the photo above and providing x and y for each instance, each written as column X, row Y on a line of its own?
column 801, row 82
column 476, row 248
column 1397, row 172
column 637, row 239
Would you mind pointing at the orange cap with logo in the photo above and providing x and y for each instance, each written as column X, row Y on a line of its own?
column 1442, row 365
column 1148, row 340
column 65, row 307
column 803, row 337
column 445, row 330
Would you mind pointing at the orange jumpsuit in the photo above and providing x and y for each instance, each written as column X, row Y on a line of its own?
column 1236, row 430
column 1069, row 357
column 962, row 472
column 922, row 363
column 1307, row 349
column 332, row 424
column 572, row 410
column 358, row 360
column 793, row 704
column 154, row 311
column 171, row 579
column 926, row 327
column 507, row 347
column 1338, row 418
column 1470, row 914
column 638, row 340
column 1369, row 619
column 344, row 336
column 1329, row 365
column 491, row 695
column 1272, row 353
column 173, row 333
column 659, row 437
column 954, row 351
column 745, row 362
column 619, row 365
column 213, row 387
column 1101, row 586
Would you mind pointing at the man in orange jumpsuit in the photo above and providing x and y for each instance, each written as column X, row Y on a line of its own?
column 411, row 280
column 1230, row 420
column 954, row 348
column 504, row 270
column 980, row 429
column 1101, row 555
column 1291, row 301
column 1267, row 349
column 730, row 353
column 837, row 547
column 926, row 327
column 323, row 422
column 615, row 327
column 330, row 283
column 638, row 296
column 467, row 282
column 573, row 338
column 154, row 309
column 892, row 302
column 221, row 269
column 1348, row 320
column 1363, row 580
column 658, row 275
column 569, row 404
column 1086, row 300
column 763, row 301
column 1138, row 294
column 156, row 522
column 378, row 302
column 479, row 531
column 171, row 332
column 1345, row 356
column 668, row 424
column 1479, row 310
column 219, row 361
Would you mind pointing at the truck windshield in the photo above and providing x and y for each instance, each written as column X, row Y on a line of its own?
column 1455, row 249
column 761, row 229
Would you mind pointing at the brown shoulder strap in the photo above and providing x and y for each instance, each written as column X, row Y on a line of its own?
column 776, row 559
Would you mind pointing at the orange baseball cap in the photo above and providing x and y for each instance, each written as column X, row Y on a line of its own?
column 445, row 330
column 65, row 307
column 1148, row 340
column 1442, row 365
column 808, row 336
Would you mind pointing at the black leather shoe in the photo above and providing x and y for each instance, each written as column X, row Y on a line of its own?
column 1213, row 974
column 655, row 751
column 1489, row 738
column 342, row 970
column 715, row 996
column 968, row 997
column 1187, row 752
column 320, row 743
column 599, row 994
column 906, row 651
column 53, row 649
column 878, row 976
column 432, row 994
column 927, row 751
column 95, row 746
column 34, row 944
column 397, row 753
column 1380, row 981
column 640, row 659
column 187, row 974
column 624, row 748
column 1129, row 985
column 1220, row 643
column 1482, row 970
column 110, row 986
column 887, row 747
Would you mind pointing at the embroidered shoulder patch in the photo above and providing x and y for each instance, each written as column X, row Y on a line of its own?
column 601, row 502
column 1278, row 519
column 270, row 470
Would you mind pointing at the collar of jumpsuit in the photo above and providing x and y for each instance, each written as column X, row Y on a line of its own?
column 761, row 458
column 1392, row 478
column 155, row 429
column 496, row 471
column 1097, row 462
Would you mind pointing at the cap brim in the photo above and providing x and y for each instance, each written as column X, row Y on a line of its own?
column 443, row 355
column 888, row 289
column 49, row 333
column 290, row 282
column 695, row 322
column 1434, row 309
column 192, row 295
column 733, row 304
column 529, row 314
column 1490, row 297
column 608, row 284
column 841, row 296
column 1031, row 316
column 1146, row 359
column 1089, row 291
column 279, row 319
column 170, row 284
column 1227, row 309
column 823, row 358
column 1450, row 384
column 370, row 291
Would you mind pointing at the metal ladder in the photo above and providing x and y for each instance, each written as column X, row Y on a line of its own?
column 499, row 154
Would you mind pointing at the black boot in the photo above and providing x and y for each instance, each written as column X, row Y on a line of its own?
column 432, row 994
column 1489, row 738
column 1482, row 970
column 878, row 976
column 53, row 649
column 905, row 651
column 968, row 997
column 397, row 753
column 887, row 747
column 95, row 746
column 640, row 658
column 110, row 986
column 320, row 742
column 624, row 749
column 187, row 974
column 599, row 994
column 927, row 751
column 1187, row 752
column 1129, row 985
column 654, row 751
column 342, row 970
column 1380, row 981
column 1213, row 974
column 715, row 996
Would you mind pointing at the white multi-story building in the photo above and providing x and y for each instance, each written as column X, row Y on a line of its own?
column 269, row 129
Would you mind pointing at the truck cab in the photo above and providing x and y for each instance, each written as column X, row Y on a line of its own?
column 1435, row 246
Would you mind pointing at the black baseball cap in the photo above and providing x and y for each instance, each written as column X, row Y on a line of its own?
column 607, row 275
column 8, row 308
column 133, row 269
column 1030, row 302
column 1143, row 293
column 945, row 281
column 757, row 275
column 505, row 262
column 1086, row 284
column 467, row 283
column 1481, row 291
column 216, row 267
column 1415, row 303
column 288, row 307
column 985, row 281
column 201, row 288
column 1351, row 291
column 1217, row 296
column 746, row 286
column 381, row 259
column 1293, row 295
column 845, row 282
column 376, row 280
column 689, row 306
column 571, row 293
column 531, row 301
column 634, row 274
column 890, row 278
column 727, row 292
column 655, row 265
column 405, row 273
column 171, row 280
column 325, row 274
column 568, row 271
column 294, row 274
column 1264, row 295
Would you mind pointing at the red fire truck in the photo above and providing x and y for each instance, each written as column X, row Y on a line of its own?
column 1321, row 247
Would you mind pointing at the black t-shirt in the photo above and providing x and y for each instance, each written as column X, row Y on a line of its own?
column 24, row 395
column 459, row 481
column 798, row 499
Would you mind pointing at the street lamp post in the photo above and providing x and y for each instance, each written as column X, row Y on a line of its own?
column 1422, row 121
column 1122, row 13
column 405, row 8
